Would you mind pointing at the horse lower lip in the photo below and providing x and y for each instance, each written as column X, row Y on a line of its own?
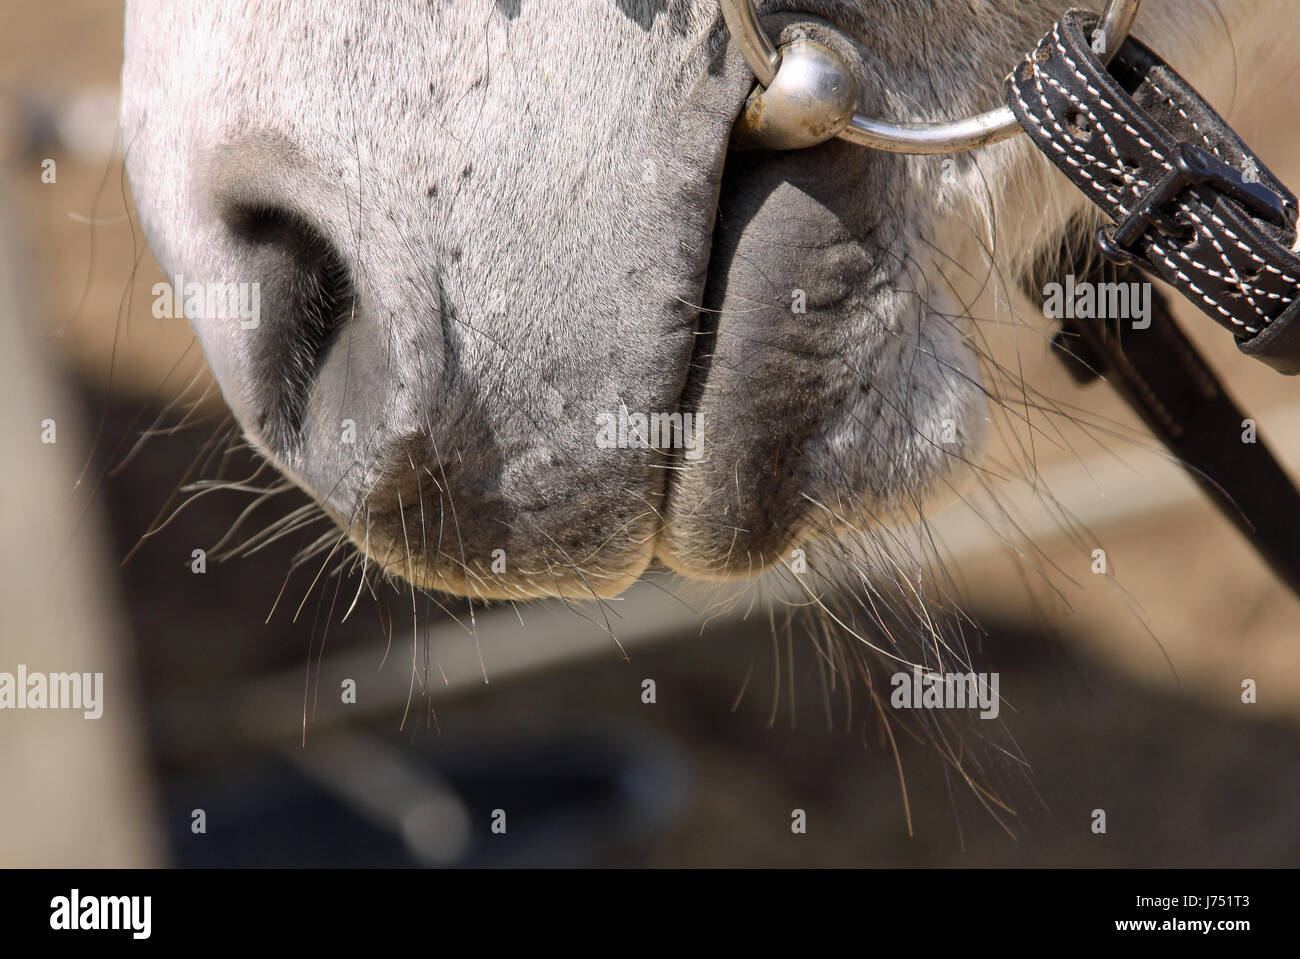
column 766, row 381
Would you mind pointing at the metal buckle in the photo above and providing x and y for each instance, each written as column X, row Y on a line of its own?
column 1193, row 166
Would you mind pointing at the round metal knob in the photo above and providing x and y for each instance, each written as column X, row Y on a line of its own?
column 810, row 100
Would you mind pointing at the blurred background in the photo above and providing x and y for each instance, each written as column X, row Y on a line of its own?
column 225, row 690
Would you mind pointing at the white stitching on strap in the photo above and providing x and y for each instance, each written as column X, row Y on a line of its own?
column 1178, row 260
column 1169, row 98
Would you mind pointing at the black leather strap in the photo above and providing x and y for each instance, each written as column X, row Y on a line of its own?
column 1189, row 200
column 1190, row 203
column 1164, row 379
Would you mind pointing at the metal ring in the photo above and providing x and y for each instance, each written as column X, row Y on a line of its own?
column 955, row 136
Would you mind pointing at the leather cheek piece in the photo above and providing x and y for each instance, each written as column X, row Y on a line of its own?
column 1191, row 203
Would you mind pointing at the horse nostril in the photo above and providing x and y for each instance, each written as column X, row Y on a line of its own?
column 307, row 296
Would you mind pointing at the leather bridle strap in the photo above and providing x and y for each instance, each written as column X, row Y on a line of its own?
column 1190, row 202
column 1160, row 374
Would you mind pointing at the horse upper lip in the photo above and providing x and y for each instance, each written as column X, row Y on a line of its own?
column 697, row 365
